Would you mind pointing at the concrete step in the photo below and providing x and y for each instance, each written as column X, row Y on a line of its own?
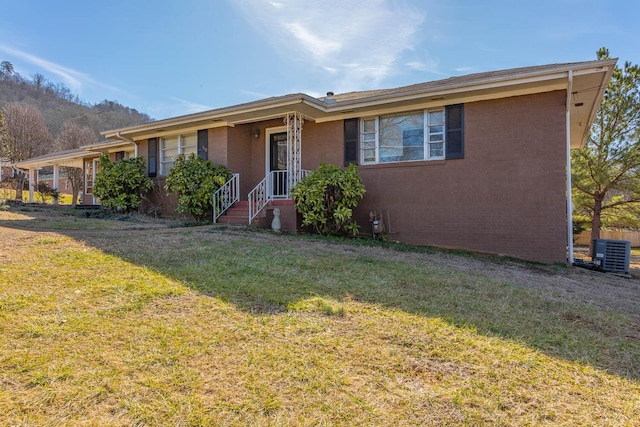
column 234, row 220
column 237, row 211
column 238, row 214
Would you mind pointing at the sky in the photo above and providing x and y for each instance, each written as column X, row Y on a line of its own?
column 174, row 57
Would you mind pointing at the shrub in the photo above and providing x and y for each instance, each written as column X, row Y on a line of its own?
column 195, row 180
column 45, row 192
column 325, row 199
column 121, row 185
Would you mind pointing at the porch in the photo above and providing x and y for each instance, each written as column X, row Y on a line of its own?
column 271, row 193
column 284, row 170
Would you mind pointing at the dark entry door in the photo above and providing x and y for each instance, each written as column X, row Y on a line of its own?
column 278, row 163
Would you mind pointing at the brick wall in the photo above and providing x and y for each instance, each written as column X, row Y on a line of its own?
column 507, row 195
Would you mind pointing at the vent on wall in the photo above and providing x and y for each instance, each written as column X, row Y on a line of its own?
column 611, row 255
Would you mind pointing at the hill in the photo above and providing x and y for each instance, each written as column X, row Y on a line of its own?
column 58, row 104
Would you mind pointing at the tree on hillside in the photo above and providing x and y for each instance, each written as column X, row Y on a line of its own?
column 38, row 81
column 58, row 104
column 26, row 136
column 6, row 69
column 4, row 134
column 73, row 136
column 606, row 171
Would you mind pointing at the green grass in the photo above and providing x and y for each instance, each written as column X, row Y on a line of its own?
column 222, row 327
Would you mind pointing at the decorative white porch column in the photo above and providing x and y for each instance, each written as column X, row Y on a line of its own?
column 56, row 176
column 32, row 184
column 294, row 122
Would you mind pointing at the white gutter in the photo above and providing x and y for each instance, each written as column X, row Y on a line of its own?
column 569, row 192
column 135, row 144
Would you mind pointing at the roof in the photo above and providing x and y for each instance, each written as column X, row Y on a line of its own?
column 459, row 80
column 64, row 158
column 587, row 82
column 74, row 157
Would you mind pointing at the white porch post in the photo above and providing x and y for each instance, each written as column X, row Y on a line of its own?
column 32, row 184
column 56, row 176
column 294, row 122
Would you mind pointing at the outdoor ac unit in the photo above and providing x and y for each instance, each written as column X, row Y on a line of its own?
column 611, row 255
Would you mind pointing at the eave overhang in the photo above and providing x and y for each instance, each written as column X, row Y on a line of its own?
column 589, row 83
column 71, row 158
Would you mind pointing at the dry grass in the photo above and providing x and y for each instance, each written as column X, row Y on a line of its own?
column 220, row 327
column 10, row 194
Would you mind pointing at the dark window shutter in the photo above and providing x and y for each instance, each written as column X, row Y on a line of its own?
column 153, row 157
column 203, row 143
column 455, row 131
column 119, row 155
column 350, row 141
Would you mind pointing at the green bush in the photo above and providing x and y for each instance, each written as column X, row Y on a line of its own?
column 195, row 180
column 121, row 185
column 326, row 197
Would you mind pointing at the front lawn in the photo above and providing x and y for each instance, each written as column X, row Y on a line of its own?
column 124, row 324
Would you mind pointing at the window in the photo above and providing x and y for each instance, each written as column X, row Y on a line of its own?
column 153, row 156
column 203, row 143
column 170, row 148
column 350, row 128
column 88, row 176
column 416, row 135
column 368, row 140
column 435, row 131
column 401, row 137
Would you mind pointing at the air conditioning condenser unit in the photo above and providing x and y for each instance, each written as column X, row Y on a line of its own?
column 611, row 255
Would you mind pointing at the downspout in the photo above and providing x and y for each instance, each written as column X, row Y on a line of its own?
column 569, row 192
column 135, row 144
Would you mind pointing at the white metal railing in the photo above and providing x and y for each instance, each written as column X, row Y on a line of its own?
column 259, row 197
column 274, row 186
column 226, row 196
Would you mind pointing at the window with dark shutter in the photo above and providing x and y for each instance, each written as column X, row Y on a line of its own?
column 455, row 131
column 203, row 143
column 350, row 141
column 153, row 157
column 119, row 155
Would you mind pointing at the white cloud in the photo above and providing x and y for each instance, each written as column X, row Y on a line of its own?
column 276, row 4
column 174, row 107
column 318, row 46
column 76, row 80
column 336, row 35
column 188, row 107
column 71, row 77
column 424, row 62
column 466, row 69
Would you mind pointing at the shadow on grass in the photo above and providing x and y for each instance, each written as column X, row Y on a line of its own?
column 264, row 274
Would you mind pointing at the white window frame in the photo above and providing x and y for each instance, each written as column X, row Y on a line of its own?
column 182, row 149
column 376, row 147
column 428, row 132
column 91, row 168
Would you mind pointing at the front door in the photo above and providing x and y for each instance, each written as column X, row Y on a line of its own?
column 278, row 164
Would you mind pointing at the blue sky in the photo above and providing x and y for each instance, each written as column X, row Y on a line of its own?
column 174, row 57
